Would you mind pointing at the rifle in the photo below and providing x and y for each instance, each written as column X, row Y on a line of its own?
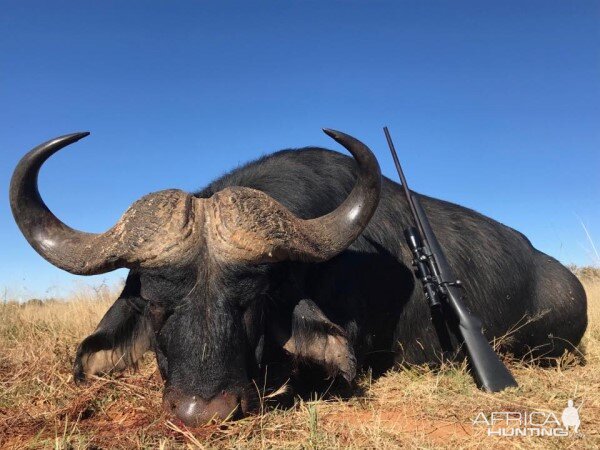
column 442, row 288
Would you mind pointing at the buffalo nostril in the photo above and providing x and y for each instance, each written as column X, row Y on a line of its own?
column 194, row 411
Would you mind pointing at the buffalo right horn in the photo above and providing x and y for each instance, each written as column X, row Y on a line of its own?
column 248, row 225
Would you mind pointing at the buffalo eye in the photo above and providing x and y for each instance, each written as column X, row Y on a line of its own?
column 157, row 314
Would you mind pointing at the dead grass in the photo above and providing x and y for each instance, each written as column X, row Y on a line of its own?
column 40, row 407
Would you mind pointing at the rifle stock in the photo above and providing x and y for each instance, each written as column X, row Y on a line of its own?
column 489, row 372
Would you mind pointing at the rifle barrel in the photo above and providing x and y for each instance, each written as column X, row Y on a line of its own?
column 403, row 179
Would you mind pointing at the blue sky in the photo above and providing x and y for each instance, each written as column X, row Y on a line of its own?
column 493, row 105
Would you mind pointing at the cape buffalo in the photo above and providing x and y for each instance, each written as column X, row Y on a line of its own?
column 300, row 257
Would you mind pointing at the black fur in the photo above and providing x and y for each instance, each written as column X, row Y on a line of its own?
column 210, row 320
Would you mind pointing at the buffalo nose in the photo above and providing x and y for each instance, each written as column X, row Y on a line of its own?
column 194, row 411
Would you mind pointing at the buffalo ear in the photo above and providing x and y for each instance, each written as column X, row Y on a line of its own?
column 123, row 335
column 315, row 339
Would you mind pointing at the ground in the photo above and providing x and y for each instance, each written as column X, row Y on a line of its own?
column 40, row 406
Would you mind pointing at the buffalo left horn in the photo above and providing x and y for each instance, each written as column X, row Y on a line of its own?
column 158, row 229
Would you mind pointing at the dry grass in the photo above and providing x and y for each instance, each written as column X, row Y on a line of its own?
column 40, row 407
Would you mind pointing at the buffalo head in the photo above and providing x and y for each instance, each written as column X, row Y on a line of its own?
column 201, row 267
